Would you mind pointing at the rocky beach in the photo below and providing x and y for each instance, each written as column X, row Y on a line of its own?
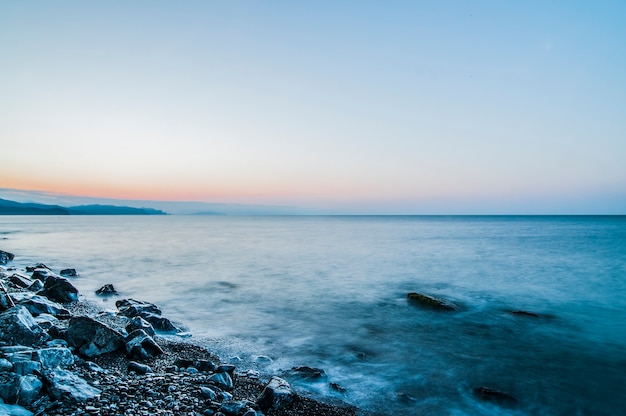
column 60, row 355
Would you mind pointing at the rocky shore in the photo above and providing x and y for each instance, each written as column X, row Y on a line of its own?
column 63, row 356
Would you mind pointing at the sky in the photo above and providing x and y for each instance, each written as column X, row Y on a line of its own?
column 394, row 107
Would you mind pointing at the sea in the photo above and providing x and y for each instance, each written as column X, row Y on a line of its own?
column 330, row 292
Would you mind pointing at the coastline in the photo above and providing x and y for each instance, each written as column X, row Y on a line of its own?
column 61, row 355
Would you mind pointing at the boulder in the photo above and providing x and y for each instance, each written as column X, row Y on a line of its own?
column 63, row 384
column 91, row 338
column 5, row 257
column 431, row 302
column 23, row 368
column 106, row 290
column 13, row 410
column 41, row 274
column 54, row 357
column 495, row 396
column 5, row 365
column 68, row 273
column 221, row 380
column 140, row 345
column 20, row 280
column 37, row 305
column 17, row 326
column 276, row 395
column 308, row 373
column 139, row 323
column 148, row 311
column 9, row 385
column 36, row 286
column 139, row 368
column 6, row 301
column 29, row 388
column 59, row 289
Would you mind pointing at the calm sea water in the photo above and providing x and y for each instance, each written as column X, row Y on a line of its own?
column 330, row 292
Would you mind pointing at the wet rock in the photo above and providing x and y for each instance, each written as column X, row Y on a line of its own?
column 222, row 380
column 309, row 373
column 106, row 290
column 161, row 324
column 13, row 410
column 140, row 345
column 139, row 368
column 491, row 395
column 5, row 257
column 17, row 326
column 232, row 407
column 276, row 395
column 23, row 368
column 6, row 301
column 62, row 384
column 5, row 365
column 20, row 280
column 54, row 357
column 337, row 388
column 91, row 338
column 148, row 311
column 38, row 305
column 525, row 313
column 28, row 389
column 207, row 393
column 68, row 273
column 139, row 323
column 225, row 368
column 41, row 274
column 59, row 289
column 431, row 302
column 36, row 286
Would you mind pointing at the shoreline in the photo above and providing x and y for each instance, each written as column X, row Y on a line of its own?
column 60, row 355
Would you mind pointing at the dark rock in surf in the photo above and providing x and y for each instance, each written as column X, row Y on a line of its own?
column 106, row 290
column 5, row 257
column 148, row 311
column 431, row 302
column 308, row 373
column 59, row 289
column 91, row 338
column 139, row 323
column 525, row 313
column 41, row 274
column 69, row 273
column 495, row 396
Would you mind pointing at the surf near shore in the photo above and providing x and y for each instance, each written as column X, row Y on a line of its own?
column 63, row 356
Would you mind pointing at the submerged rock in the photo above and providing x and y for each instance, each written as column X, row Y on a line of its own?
column 59, row 289
column 431, row 302
column 276, row 395
column 91, row 338
column 525, row 313
column 308, row 373
column 491, row 395
column 69, row 272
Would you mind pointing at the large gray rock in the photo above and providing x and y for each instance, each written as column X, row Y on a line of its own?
column 62, row 384
column 59, row 289
column 54, row 357
column 20, row 280
column 37, row 305
column 276, row 395
column 222, row 380
column 140, row 345
column 91, row 338
column 5, row 257
column 17, row 326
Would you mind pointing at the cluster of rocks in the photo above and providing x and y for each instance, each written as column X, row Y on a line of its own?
column 59, row 356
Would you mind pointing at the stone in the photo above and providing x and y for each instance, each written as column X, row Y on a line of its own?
column 91, row 338
column 41, row 274
column 222, row 380
column 148, row 311
column 232, row 407
column 276, row 395
column 13, row 410
column 308, row 373
column 9, row 385
column 139, row 368
column 68, row 273
column 139, row 323
column 23, row 368
column 208, row 393
column 20, row 280
column 5, row 257
column 54, row 357
column 36, row 286
column 59, row 289
column 29, row 388
column 62, row 384
column 6, row 301
column 5, row 365
column 495, row 396
column 106, row 290
column 225, row 368
column 525, row 313
column 160, row 324
column 37, row 305
column 17, row 326
column 431, row 302
column 140, row 345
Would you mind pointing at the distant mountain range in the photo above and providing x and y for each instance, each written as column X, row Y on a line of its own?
column 17, row 208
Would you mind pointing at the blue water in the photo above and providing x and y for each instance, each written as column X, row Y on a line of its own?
column 330, row 292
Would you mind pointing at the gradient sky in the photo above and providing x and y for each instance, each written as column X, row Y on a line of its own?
column 382, row 107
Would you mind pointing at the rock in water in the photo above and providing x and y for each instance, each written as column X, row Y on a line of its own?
column 276, row 395
column 92, row 338
column 106, row 290
column 17, row 326
column 431, row 302
column 148, row 311
column 59, row 289
column 308, row 373
column 62, row 384
column 491, row 395
column 139, row 323
column 69, row 272
column 5, row 257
